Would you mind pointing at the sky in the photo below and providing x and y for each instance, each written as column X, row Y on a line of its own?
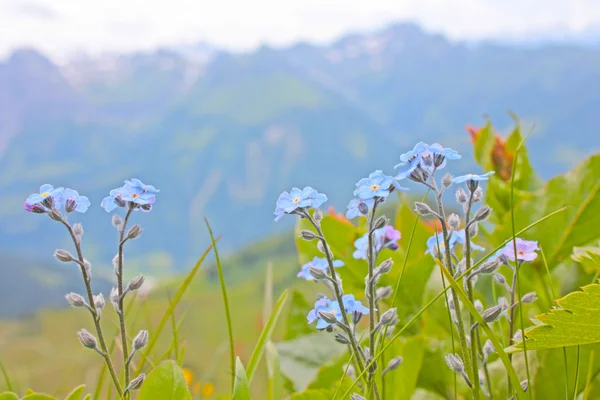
column 61, row 28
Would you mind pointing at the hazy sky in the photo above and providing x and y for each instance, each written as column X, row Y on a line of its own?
column 61, row 27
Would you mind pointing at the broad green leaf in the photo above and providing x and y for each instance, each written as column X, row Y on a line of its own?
column 576, row 226
column 8, row 396
column 401, row 383
column 38, row 396
column 576, row 322
column 241, row 389
column 165, row 382
column 87, row 397
column 296, row 320
column 165, row 318
column 329, row 375
column 76, row 393
column 302, row 357
column 434, row 375
column 265, row 336
column 588, row 256
column 274, row 372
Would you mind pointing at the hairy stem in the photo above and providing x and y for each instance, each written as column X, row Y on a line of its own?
column 90, row 295
column 371, row 259
column 121, row 312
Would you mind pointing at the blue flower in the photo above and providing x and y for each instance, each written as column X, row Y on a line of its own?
column 426, row 157
column 72, row 201
column 323, row 304
column 356, row 204
column 140, row 187
column 526, row 250
column 456, row 237
column 320, row 263
column 134, row 191
column 462, row 239
column 114, row 200
column 376, row 185
column 386, row 237
column 472, row 177
column 296, row 199
column 352, row 305
column 46, row 192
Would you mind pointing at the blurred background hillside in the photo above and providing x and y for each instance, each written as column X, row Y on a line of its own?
column 222, row 123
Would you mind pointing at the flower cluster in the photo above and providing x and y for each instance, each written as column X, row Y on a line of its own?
column 325, row 305
column 134, row 195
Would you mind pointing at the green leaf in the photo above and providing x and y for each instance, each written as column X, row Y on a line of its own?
column 8, row 396
column 274, row 372
column 310, row 394
column 76, row 393
column 588, row 256
column 329, row 375
column 165, row 382
column 38, row 396
column 241, row 389
column 576, row 226
column 265, row 336
column 402, row 382
column 165, row 318
column 302, row 357
column 296, row 319
column 576, row 322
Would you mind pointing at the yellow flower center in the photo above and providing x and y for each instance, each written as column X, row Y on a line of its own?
column 374, row 187
column 296, row 200
column 44, row 195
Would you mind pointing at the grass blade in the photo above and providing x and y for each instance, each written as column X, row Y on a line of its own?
column 265, row 336
column 225, row 302
column 241, row 388
column 274, row 372
column 6, row 378
column 156, row 334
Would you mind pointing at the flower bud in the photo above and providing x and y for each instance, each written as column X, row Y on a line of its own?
column 55, row 215
column 135, row 283
column 529, row 298
column 454, row 221
column 341, row 338
column 318, row 215
column 385, row 267
column 388, row 317
column 87, row 339
column 473, row 229
column 75, row 300
column 328, row 316
column 48, row 202
column 477, row 195
column 492, row 314
column 472, row 185
column 363, row 208
column 63, row 256
column 489, row 267
column 524, row 385
column 356, row 396
column 423, row 209
column 461, row 196
column 500, row 279
column 140, row 340
column 135, row 384
column 356, row 317
column 518, row 336
column 478, row 306
column 488, row 350
column 87, row 268
column 117, row 221
column 78, row 231
column 119, row 201
column 70, row 205
column 322, row 249
column 447, row 180
column 383, row 292
column 380, row 222
column 114, row 298
column 482, row 214
column 317, row 273
column 99, row 302
column 134, row 232
column 35, row 208
column 308, row 235
column 393, row 364
column 502, row 302
column 455, row 363
column 146, row 207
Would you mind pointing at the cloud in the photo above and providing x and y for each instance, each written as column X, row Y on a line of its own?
column 62, row 27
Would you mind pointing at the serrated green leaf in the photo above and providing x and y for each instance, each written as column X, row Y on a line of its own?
column 576, row 322
column 241, row 389
column 265, row 336
column 588, row 256
column 8, row 396
column 76, row 393
column 165, row 382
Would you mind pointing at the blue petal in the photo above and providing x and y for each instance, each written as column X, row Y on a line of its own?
column 46, row 188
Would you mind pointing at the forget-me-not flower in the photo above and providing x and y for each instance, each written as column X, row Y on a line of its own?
column 376, row 185
column 386, row 237
column 134, row 191
column 46, row 191
column 461, row 238
column 355, row 205
column 297, row 199
column 425, row 156
column 472, row 177
column 72, row 201
column 320, row 263
column 352, row 305
column 526, row 250
column 323, row 304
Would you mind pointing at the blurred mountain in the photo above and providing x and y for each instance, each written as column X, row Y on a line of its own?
column 223, row 134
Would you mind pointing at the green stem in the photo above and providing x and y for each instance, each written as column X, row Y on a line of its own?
column 121, row 313
column 371, row 255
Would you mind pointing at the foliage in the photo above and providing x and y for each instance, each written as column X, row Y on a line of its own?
column 166, row 381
